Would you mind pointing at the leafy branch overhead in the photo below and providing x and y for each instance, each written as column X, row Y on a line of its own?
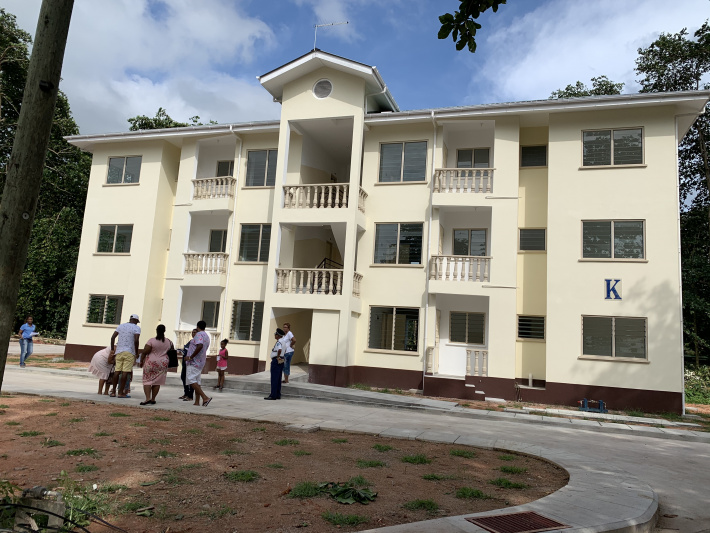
column 462, row 25
column 160, row 121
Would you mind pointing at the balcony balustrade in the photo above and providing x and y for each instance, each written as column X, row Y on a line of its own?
column 463, row 180
column 206, row 263
column 309, row 281
column 477, row 362
column 357, row 278
column 184, row 335
column 207, row 188
column 361, row 200
column 318, row 196
column 459, row 268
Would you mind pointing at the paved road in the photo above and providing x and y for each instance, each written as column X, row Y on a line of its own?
column 678, row 471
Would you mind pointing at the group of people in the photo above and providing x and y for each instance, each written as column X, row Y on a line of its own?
column 114, row 364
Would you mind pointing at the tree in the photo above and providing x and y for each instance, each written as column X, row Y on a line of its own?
column 161, row 120
column 462, row 24
column 601, row 85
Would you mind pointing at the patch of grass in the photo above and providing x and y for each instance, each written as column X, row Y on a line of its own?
column 305, row 489
column 513, row 469
column 430, row 506
column 437, row 477
column 382, row 447
column 164, row 454
column 301, row 453
column 12, row 423
column 467, row 493
column 418, row 459
column 74, row 420
column 46, row 400
column 82, row 500
column 164, row 442
column 506, row 483
column 287, row 442
column 118, row 415
column 245, row 476
column 194, row 431
column 111, row 488
column 133, row 506
column 229, row 453
column 358, row 481
column 161, row 418
column 339, row 520
column 236, row 439
column 506, row 457
column 385, row 391
column 215, row 426
column 3, row 406
column 173, row 477
column 338, row 441
column 52, row 414
column 673, row 417
column 466, row 454
column 138, row 425
column 65, row 404
column 51, row 443
column 360, row 386
column 86, row 468
column 635, row 412
column 362, row 463
column 30, row 433
column 219, row 512
column 276, row 466
column 258, row 429
column 81, row 452
column 465, row 404
column 102, row 434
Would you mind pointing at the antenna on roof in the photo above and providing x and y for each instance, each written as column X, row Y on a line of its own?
column 315, row 36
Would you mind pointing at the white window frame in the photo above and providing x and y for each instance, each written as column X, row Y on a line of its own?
column 613, row 165
column 468, row 313
column 613, row 357
column 115, row 233
column 223, row 240
column 612, row 258
column 399, row 229
column 216, row 317
column 453, row 240
column 394, row 322
column 473, row 157
column 103, row 315
column 232, row 325
column 261, row 236
column 123, row 173
column 231, row 168
column 266, row 169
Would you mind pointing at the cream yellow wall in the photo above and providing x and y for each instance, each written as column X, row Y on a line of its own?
column 649, row 289
column 301, row 326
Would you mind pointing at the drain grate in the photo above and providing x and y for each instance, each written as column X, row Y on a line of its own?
column 527, row 522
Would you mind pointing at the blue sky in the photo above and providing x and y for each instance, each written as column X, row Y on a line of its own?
column 201, row 57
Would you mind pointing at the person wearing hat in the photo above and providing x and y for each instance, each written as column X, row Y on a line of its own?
column 277, row 366
column 126, row 349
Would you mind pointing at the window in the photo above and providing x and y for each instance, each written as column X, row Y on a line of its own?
column 609, row 336
column 246, row 321
column 322, row 89
column 104, row 309
column 401, row 162
column 533, row 156
column 225, row 168
column 613, row 239
column 218, row 240
column 398, row 244
column 124, row 170
column 114, row 239
column 470, row 242
column 261, row 168
column 532, row 240
column 531, row 327
column 210, row 313
column 474, row 158
column 468, row 328
column 394, row 328
column 612, row 147
column 254, row 244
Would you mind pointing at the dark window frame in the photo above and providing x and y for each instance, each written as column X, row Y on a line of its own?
column 613, row 342
column 115, row 238
column 469, row 230
column 216, row 313
column 254, row 328
column 528, row 146
column 402, row 162
column 612, row 243
column 468, row 317
column 105, row 309
column 267, row 179
column 125, row 159
column 520, row 240
column 613, row 148
column 393, row 334
column 262, row 255
column 230, row 169
column 399, row 243
column 530, row 325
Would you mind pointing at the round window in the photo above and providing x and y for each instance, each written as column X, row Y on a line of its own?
column 322, row 89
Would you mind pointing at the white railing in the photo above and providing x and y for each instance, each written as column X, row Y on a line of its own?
column 184, row 335
column 357, row 278
column 463, row 180
column 430, row 360
column 361, row 200
column 208, row 263
column 319, row 196
column 222, row 187
column 459, row 268
column 477, row 360
column 309, row 280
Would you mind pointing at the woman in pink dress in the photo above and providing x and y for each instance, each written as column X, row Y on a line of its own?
column 154, row 362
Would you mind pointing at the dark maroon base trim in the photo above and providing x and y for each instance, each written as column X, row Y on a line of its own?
column 242, row 366
column 339, row 376
column 569, row 394
column 536, row 382
column 81, row 352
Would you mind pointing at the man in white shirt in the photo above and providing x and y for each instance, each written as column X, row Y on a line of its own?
column 289, row 344
column 126, row 350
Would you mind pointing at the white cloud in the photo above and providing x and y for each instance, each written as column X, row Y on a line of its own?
column 561, row 42
column 330, row 11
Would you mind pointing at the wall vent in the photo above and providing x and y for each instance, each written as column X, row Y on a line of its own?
column 322, row 89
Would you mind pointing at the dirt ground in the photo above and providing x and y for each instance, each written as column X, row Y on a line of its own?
column 175, row 464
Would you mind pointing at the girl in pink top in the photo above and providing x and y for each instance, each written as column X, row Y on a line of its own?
column 222, row 363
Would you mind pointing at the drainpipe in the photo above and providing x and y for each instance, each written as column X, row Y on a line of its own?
column 428, row 251
column 680, row 273
column 231, row 237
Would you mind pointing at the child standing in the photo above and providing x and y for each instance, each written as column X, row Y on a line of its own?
column 222, row 363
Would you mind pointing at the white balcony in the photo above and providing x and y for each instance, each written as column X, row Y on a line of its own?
column 212, row 188
column 309, row 281
column 459, row 268
column 361, row 200
column 206, row 263
column 463, row 180
column 357, row 278
column 184, row 335
column 318, row 196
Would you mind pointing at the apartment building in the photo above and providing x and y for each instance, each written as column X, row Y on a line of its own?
column 526, row 250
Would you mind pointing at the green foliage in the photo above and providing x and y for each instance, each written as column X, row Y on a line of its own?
column 102, row 434
column 382, row 447
column 338, row 441
column 244, row 476
column 305, row 489
column 194, row 431
column 80, row 452
column 165, row 454
column 86, row 468
column 258, row 429
column 601, row 85
column 30, row 433
column 301, row 453
column 467, row 493
column 119, row 415
column 276, row 466
column 161, row 418
column 215, row 426
column 506, row 457
column 7, row 496
column 236, row 439
column 506, row 483
column 287, row 442
column 161, row 120
column 51, row 443
column 359, row 481
column 513, row 469
column 82, row 499
column 360, row 386
column 437, row 477
column 347, row 493
column 12, row 423
column 164, row 442
column 138, row 425
column 362, row 463
column 418, row 459
column 339, row 520
column 462, row 24
column 467, row 454
column 697, row 385
column 75, row 420
column 430, row 506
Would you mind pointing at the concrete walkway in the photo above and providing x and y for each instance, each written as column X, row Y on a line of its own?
column 615, row 478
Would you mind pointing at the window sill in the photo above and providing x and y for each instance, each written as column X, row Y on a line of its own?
column 530, row 340
column 385, row 183
column 250, row 343
column 464, row 345
column 611, row 260
column 391, row 352
column 260, row 263
column 394, row 265
column 247, row 187
column 532, row 251
column 600, row 167
column 533, row 167
column 106, row 326
column 614, row 359
column 112, row 254
column 120, row 184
